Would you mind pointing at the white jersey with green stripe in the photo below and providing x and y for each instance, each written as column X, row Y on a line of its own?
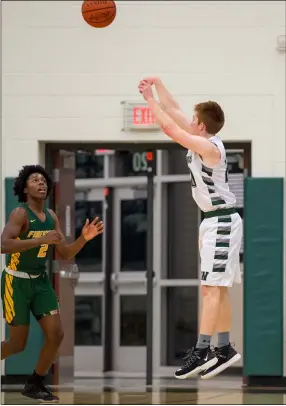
column 210, row 187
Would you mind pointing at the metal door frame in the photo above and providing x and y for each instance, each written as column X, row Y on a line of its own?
column 91, row 284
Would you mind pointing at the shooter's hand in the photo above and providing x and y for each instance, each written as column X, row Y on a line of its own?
column 146, row 90
column 151, row 80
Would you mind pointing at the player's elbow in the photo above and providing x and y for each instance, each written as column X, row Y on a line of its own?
column 5, row 249
column 170, row 129
column 65, row 255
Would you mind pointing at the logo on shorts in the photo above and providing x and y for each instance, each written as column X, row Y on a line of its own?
column 204, row 276
column 32, row 221
column 52, row 312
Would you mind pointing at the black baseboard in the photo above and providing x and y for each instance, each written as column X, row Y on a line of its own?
column 13, row 379
column 270, row 381
column 21, row 379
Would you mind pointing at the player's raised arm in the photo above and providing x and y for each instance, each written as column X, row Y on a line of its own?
column 89, row 231
column 16, row 223
column 169, row 104
column 200, row 145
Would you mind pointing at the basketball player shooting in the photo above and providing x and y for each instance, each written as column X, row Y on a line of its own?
column 220, row 232
column 25, row 286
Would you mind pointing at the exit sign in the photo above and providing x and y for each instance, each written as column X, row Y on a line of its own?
column 138, row 116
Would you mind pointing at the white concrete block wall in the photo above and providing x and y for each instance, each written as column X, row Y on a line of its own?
column 64, row 80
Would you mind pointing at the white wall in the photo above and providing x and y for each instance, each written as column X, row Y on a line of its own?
column 64, row 80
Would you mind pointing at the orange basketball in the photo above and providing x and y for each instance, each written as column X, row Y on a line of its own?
column 98, row 14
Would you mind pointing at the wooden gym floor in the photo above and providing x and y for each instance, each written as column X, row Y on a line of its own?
column 221, row 390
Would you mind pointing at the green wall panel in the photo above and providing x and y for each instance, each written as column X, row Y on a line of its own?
column 263, row 277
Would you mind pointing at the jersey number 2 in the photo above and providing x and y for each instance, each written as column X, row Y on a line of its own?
column 43, row 251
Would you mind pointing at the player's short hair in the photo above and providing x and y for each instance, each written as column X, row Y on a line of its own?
column 211, row 114
column 21, row 181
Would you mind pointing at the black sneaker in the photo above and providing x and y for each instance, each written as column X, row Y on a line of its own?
column 226, row 357
column 39, row 392
column 196, row 361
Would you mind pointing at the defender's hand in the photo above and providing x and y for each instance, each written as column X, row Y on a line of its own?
column 53, row 237
column 91, row 230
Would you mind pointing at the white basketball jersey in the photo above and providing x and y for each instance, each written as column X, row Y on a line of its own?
column 210, row 185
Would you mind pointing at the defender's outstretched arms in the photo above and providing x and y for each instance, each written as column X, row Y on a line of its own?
column 89, row 231
column 17, row 220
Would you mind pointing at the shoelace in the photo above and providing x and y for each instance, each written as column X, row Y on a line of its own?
column 190, row 357
column 218, row 351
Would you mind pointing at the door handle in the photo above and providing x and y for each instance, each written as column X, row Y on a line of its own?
column 115, row 282
column 154, row 281
column 88, row 279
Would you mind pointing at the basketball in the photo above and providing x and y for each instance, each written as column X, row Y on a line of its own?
column 98, row 14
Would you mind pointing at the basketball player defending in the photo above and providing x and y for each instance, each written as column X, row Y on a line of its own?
column 220, row 232
column 25, row 285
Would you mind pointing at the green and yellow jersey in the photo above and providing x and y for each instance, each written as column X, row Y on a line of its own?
column 34, row 260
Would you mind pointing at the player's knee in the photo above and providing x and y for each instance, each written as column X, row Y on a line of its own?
column 60, row 336
column 55, row 336
column 223, row 291
column 210, row 291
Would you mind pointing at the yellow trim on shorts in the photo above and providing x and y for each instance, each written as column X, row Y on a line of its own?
column 8, row 299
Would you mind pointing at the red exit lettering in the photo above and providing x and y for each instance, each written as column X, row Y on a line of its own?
column 143, row 116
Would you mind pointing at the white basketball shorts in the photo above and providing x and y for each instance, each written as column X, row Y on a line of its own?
column 219, row 244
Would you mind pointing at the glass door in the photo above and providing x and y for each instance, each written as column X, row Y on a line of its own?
column 128, row 280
